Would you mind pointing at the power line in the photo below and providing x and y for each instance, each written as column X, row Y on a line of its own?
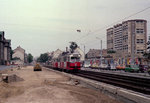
column 123, row 19
column 114, row 23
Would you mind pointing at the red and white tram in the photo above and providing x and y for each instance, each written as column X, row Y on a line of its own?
column 68, row 62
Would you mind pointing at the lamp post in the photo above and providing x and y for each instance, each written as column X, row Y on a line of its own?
column 133, row 49
column 84, row 50
column 101, row 50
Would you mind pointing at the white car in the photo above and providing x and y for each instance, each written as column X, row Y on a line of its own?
column 86, row 64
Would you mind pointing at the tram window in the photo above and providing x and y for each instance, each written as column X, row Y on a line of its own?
column 74, row 59
column 65, row 59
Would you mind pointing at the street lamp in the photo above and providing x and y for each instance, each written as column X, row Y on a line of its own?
column 101, row 50
column 84, row 50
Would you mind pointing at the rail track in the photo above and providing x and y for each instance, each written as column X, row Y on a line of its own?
column 137, row 84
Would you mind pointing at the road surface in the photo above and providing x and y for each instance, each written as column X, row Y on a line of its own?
column 2, row 67
column 47, row 87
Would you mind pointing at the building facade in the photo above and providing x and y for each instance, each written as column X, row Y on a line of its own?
column 117, row 31
column 82, row 55
column 1, row 47
column 19, row 56
column 5, row 49
column 129, row 38
column 110, row 39
column 96, row 53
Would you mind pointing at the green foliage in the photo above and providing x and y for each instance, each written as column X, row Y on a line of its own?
column 16, row 58
column 29, row 58
column 147, row 54
column 111, row 51
column 11, row 53
column 43, row 58
column 73, row 46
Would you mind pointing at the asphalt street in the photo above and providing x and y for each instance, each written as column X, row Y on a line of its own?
column 2, row 67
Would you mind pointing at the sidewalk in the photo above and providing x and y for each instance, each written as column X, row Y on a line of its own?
column 2, row 67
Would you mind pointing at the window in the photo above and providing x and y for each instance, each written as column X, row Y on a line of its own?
column 140, row 51
column 139, row 21
column 139, row 31
column 140, row 41
column 125, row 47
column 125, row 38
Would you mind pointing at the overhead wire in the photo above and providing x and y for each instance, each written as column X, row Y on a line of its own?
column 113, row 23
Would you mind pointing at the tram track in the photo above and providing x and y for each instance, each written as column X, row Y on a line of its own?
column 137, row 84
column 141, row 85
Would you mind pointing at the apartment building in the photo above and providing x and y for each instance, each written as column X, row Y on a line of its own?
column 129, row 38
column 110, row 39
column 117, row 31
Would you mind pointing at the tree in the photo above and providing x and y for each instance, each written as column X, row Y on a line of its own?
column 111, row 51
column 147, row 54
column 43, row 58
column 16, row 58
column 11, row 53
column 29, row 58
column 73, row 46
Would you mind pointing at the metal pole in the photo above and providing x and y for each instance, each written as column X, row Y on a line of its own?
column 84, row 52
column 101, row 53
column 101, row 49
column 133, row 47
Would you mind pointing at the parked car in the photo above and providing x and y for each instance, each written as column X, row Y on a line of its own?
column 87, row 64
column 120, row 67
column 148, row 71
column 113, row 67
column 103, row 66
column 143, row 68
column 131, row 68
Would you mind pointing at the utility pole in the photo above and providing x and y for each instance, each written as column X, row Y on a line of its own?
column 84, row 50
column 100, row 51
column 101, row 48
column 132, row 48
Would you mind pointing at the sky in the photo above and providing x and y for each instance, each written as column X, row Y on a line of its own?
column 41, row 26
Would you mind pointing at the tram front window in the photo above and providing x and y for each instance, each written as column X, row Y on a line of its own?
column 74, row 59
